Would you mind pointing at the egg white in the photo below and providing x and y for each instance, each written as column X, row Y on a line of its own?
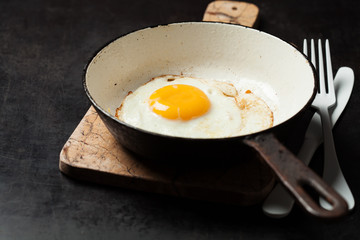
column 231, row 113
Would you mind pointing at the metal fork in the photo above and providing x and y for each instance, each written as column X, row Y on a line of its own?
column 324, row 100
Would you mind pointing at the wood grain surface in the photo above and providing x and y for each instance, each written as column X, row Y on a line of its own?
column 92, row 154
column 242, row 13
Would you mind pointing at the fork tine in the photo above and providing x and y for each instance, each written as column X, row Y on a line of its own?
column 330, row 78
column 321, row 68
column 305, row 48
column 313, row 54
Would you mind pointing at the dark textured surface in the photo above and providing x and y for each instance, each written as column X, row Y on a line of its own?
column 44, row 47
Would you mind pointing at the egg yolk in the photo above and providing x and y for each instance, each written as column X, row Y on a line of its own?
column 179, row 101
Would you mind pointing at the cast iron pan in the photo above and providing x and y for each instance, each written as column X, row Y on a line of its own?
column 212, row 51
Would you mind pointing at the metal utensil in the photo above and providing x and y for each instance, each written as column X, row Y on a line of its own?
column 323, row 101
column 279, row 203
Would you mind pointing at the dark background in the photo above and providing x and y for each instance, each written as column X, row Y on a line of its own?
column 44, row 46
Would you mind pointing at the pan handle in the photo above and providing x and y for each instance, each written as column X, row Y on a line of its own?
column 294, row 175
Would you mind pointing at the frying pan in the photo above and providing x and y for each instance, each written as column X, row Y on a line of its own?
column 219, row 51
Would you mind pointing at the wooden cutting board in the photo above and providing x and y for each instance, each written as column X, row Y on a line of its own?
column 92, row 154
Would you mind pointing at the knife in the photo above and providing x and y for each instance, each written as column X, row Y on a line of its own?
column 279, row 203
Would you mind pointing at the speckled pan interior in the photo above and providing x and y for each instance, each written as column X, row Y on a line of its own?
column 206, row 50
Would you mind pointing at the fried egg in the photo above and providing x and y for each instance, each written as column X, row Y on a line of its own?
column 194, row 108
